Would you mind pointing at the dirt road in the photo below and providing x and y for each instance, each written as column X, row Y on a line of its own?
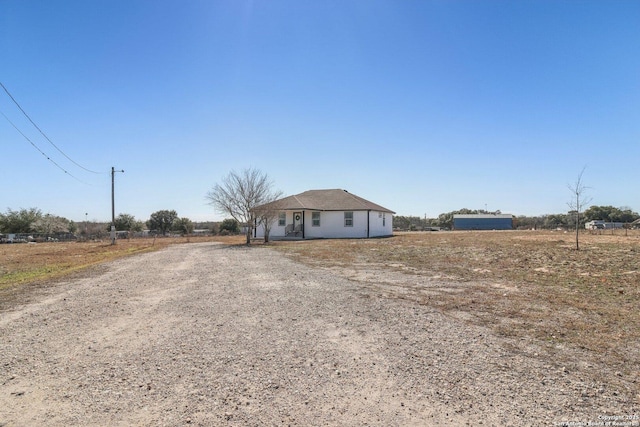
column 204, row 334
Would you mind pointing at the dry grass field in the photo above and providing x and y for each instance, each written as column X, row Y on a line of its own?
column 529, row 284
column 25, row 263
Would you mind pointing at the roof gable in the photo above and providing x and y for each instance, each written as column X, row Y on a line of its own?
column 328, row 200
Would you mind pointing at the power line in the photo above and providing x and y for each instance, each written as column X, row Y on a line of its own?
column 39, row 150
column 42, row 133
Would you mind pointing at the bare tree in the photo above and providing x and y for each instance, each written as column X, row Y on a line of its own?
column 267, row 214
column 578, row 201
column 240, row 193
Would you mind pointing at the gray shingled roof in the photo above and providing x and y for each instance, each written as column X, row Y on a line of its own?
column 328, row 200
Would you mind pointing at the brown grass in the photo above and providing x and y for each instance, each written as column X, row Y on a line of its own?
column 26, row 263
column 521, row 284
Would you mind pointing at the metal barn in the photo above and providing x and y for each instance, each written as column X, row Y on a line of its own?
column 483, row 222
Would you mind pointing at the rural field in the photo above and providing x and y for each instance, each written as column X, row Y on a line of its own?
column 28, row 264
column 519, row 283
column 449, row 327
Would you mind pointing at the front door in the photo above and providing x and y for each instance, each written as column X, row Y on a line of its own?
column 297, row 221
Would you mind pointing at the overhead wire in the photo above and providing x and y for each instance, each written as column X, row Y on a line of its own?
column 41, row 132
column 39, row 150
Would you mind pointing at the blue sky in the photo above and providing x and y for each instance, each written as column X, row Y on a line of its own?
column 423, row 107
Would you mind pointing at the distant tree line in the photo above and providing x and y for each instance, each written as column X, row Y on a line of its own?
column 163, row 222
column 34, row 221
column 548, row 221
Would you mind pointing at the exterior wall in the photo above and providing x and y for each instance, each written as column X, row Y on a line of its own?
column 380, row 224
column 276, row 230
column 332, row 225
column 482, row 223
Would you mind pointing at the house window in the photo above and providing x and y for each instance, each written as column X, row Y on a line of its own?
column 282, row 219
column 315, row 219
column 348, row 219
column 383, row 220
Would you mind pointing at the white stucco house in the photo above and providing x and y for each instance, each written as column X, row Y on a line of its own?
column 327, row 214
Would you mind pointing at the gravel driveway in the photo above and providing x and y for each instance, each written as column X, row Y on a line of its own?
column 204, row 334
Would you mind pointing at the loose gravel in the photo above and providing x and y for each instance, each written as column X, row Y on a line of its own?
column 205, row 334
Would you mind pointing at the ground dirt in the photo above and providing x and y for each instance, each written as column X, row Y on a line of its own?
column 210, row 334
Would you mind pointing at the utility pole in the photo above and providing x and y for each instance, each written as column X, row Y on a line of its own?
column 113, row 206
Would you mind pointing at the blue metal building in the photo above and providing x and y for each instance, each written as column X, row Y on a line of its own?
column 483, row 222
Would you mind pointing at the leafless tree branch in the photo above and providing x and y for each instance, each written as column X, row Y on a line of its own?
column 240, row 193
